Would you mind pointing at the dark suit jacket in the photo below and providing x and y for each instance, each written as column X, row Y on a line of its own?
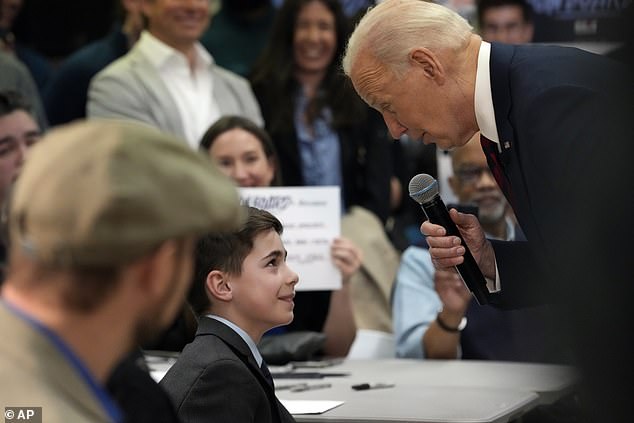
column 66, row 93
column 216, row 379
column 140, row 398
column 565, row 116
column 567, row 119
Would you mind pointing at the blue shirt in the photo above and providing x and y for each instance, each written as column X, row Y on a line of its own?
column 319, row 148
column 415, row 301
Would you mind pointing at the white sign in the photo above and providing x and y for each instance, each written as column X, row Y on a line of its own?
column 312, row 219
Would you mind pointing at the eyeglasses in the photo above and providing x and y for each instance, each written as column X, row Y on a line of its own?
column 471, row 175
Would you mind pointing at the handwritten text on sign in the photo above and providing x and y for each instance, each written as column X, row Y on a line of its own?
column 311, row 217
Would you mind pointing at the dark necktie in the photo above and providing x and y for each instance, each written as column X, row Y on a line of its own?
column 267, row 373
column 495, row 164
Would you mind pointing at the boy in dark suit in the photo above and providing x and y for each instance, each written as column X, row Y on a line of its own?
column 242, row 287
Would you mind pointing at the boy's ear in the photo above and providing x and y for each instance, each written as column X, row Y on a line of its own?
column 218, row 286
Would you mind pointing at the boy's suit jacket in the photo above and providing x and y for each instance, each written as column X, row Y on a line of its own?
column 216, row 379
column 131, row 88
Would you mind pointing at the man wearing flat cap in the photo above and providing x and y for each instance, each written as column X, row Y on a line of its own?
column 102, row 224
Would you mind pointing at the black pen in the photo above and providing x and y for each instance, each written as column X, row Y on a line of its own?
column 371, row 385
column 310, row 387
column 296, row 385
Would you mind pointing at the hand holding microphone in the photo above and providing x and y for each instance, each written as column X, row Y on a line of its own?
column 424, row 190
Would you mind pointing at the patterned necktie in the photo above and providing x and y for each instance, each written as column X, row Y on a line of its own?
column 493, row 159
column 267, row 373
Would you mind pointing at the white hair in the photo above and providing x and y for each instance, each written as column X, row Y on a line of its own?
column 393, row 28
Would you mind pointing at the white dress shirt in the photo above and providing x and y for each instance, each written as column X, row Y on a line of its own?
column 191, row 88
column 485, row 117
column 485, row 114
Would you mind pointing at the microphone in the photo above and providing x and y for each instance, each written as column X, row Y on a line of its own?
column 424, row 190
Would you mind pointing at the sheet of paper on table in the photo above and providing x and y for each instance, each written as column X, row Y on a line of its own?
column 309, row 406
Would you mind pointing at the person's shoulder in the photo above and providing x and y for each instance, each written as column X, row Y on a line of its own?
column 415, row 256
column 204, row 356
column 125, row 63
column 10, row 66
column 93, row 57
column 229, row 76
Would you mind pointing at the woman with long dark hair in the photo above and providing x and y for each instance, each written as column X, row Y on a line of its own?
column 323, row 132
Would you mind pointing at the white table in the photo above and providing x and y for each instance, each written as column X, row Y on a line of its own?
column 434, row 391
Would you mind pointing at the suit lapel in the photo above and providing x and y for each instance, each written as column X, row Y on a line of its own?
column 159, row 98
column 500, row 63
column 502, row 57
column 208, row 326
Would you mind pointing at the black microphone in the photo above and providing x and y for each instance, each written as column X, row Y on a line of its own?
column 424, row 190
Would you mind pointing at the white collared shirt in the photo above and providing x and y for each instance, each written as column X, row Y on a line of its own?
column 444, row 170
column 485, row 117
column 245, row 336
column 484, row 112
column 191, row 89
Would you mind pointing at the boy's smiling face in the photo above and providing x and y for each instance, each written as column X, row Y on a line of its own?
column 263, row 294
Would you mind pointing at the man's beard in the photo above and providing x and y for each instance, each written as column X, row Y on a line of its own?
column 150, row 329
column 492, row 215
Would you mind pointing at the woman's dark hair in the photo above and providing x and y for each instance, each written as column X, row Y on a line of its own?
column 227, row 123
column 273, row 74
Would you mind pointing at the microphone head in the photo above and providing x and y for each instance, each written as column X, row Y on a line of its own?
column 423, row 188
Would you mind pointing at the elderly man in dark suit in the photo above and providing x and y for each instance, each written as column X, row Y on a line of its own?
column 556, row 124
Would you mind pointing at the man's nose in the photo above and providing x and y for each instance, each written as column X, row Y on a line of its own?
column 486, row 179
column 22, row 150
column 394, row 126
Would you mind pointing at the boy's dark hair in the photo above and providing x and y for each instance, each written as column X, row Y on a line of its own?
column 484, row 5
column 226, row 252
column 10, row 101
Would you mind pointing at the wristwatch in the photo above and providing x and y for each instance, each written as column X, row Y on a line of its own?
column 444, row 326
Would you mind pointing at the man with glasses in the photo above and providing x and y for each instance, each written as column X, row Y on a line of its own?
column 433, row 312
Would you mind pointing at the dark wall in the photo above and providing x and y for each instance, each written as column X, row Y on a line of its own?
column 56, row 28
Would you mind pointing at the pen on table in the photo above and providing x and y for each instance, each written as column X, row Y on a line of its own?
column 310, row 387
column 306, row 375
column 372, row 385
column 293, row 386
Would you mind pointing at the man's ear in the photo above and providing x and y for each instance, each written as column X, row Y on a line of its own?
column 218, row 285
column 429, row 63
column 150, row 271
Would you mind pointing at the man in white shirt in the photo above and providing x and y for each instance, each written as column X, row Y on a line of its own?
column 168, row 79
